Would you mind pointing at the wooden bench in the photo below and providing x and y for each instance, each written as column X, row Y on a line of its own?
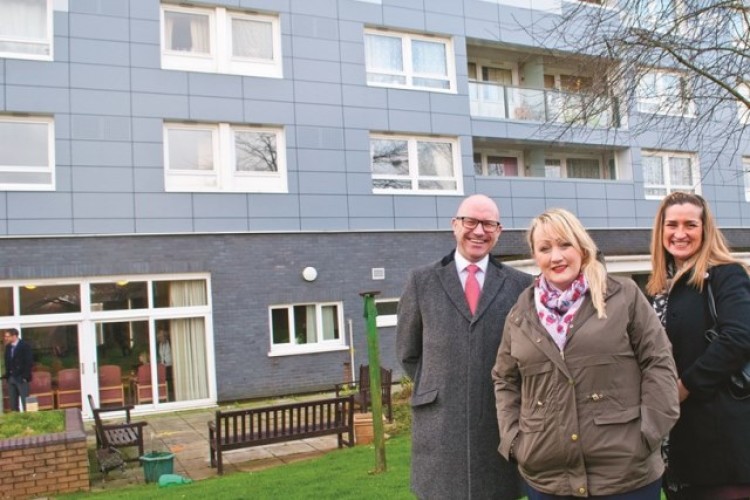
column 235, row 429
column 117, row 435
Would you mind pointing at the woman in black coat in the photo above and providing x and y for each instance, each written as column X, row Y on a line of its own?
column 708, row 451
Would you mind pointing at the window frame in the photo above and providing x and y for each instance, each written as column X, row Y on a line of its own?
column 746, row 175
column 484, row 159
column 668, row 186
column 220, row 58
column 659, row 105
column 413, row 175
column 321, row 345
column 224, row 174
column 48, row 169
column 408, row 62
column 743, row 112
column 386, row 320
column 48, row 41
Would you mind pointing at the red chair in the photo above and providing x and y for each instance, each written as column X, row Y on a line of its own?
column 69, row 388
column 143, row 391
column 111, row 390
column 41, row 387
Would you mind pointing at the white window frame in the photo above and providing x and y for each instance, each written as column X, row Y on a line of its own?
column 746, row 176
column 743, row 112
column 220, row 58
column 224, row 177
column 668, row 185
column 47, row 41
column 659, row 104
column 321, row 345
column 413, row 174
column 89, row 316
column 406, row 56
column 386, row 320
column 485, row 154
column 49, row 168
column 564, row 167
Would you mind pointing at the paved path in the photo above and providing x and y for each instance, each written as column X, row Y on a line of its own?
column 185, row 434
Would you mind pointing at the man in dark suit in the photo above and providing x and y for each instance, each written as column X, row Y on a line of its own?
column 447, row 341
column 18, row 361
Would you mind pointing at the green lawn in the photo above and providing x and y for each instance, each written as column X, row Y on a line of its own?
column 31, row 423
column 339, row 474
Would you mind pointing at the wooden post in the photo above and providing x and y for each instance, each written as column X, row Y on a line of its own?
column 376, row 397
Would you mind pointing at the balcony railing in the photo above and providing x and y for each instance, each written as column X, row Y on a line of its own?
column 490, row 100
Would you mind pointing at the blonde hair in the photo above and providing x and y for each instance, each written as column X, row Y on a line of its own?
column 566, row 226
column 712, row 252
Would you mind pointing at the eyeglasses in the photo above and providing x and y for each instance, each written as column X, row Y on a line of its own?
column 489, row 226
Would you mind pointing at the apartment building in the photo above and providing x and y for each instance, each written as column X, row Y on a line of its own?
column 235, row 173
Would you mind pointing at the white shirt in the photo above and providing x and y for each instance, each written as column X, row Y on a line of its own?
column 462, row 264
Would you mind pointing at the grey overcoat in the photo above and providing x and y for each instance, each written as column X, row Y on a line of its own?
column 450, row 353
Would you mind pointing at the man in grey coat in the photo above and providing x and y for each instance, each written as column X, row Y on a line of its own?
column 449, row 352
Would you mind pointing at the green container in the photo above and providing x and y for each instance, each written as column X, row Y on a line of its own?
column 157, row 463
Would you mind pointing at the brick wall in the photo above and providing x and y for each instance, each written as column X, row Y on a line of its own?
column 39, row 466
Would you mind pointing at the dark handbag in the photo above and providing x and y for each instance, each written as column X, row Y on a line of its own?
column 739, row 383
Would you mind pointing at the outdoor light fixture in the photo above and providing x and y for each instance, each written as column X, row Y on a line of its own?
column 309, row 274
column 29, row 287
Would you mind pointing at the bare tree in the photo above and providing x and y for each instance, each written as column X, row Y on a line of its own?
column 256, row 152
column 679, row 69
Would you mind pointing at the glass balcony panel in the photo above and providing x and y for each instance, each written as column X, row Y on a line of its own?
column 487, row 100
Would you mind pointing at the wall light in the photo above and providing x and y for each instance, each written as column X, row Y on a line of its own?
column 29, row 287
column 310, row 274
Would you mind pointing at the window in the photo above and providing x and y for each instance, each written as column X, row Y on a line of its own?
column 665, row 172
column 415, row 165
column 27, row 154
column 496, row 165
column 386, row 309
column 223, row 157
column 304, row 328
column 409, row 61
column 743, row 112
column 662, row 92
column 746, row 176
column 115, row 321
column 573, row 168
column 217, row 40
column 26, row 29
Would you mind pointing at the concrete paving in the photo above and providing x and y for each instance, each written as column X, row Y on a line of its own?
column 185, row 434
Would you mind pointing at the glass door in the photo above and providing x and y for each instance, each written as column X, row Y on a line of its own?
column 56, row 371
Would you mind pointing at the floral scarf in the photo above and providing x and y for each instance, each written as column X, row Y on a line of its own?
column 556, row 308
column 660, row 299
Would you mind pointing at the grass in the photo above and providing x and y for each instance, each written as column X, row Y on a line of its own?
column 31, row 423
column 340, row 474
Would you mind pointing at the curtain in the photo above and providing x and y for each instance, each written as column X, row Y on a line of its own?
column 429, row 58
column 383, row 53
column 187, row 32
column 252, row 39
column 25, row 22
column 188, row 338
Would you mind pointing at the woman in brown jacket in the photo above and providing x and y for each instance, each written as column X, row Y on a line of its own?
column 584, row 379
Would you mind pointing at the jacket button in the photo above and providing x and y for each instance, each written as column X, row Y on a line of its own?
column 574, row 437
column 571, row 381
column 582, row 490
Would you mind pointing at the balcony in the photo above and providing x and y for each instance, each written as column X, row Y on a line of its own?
column 502, row 102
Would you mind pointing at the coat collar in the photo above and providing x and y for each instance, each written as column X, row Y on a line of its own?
column 539, row 336
column 493, row 283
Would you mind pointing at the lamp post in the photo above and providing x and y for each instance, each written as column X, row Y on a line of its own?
column 373, row 355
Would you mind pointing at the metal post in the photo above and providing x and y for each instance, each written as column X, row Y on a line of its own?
column 373, row 355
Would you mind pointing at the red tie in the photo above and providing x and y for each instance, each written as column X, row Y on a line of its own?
column 472, row 288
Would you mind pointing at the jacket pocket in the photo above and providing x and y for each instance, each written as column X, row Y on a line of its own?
column 424, row 398
column 619, row 417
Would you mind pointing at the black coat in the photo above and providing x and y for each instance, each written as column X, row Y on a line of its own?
column 20, row 363
column 710, row 445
